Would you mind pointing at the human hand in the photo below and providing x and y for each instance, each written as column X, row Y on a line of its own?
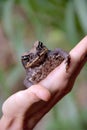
column 23, row 110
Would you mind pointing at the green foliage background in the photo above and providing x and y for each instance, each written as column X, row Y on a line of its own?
column 58, row 23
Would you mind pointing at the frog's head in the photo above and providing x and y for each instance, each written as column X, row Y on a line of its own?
column 33, row 56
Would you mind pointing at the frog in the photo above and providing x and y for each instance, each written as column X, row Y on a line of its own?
column 40, row 61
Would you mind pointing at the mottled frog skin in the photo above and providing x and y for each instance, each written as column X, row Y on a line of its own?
column 40, row 61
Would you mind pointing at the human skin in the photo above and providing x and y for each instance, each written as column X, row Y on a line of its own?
column 24, row 109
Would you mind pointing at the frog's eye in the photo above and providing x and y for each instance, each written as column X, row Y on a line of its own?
column 40, row 46
column 25, row 58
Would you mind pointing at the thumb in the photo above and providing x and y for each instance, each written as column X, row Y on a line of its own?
column 18, row 103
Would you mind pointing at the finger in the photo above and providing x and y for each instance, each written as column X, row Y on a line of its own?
column 80, row 50
column 78, row 53
column 40, row 92
column 78, row 57
column 21, row 101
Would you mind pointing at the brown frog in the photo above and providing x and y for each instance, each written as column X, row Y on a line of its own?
column 40, row 61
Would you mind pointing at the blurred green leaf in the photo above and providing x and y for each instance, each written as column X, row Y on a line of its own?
column 70, row 23
column 13, row 76
column 7, row 17
column 3, row 83
column 81, row 10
